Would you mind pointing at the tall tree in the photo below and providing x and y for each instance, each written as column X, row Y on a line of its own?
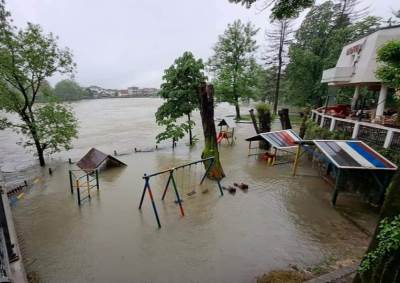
column 281, row 9
column 27, row 58
column 317, row 46
column 278, row 40
column 206, row 98
column 179, row 91
column 233, row 63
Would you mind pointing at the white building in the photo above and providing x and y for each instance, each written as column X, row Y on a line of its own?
column 357, row 65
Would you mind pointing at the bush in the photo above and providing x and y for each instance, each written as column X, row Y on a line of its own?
column 314, row 132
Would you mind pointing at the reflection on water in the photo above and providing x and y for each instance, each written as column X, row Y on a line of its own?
column 221, row 239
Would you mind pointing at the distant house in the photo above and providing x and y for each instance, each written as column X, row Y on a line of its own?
column 134, row 91
column 123, row 92
column 150, row 91
column 357, row 66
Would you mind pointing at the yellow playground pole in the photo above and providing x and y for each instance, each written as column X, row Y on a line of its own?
column 296, row 160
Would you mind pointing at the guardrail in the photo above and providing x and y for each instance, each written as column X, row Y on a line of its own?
column 376, row 135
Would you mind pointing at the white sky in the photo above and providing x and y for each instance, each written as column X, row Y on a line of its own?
column 122, row 43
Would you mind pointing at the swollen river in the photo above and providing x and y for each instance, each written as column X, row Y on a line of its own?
column 281, row 220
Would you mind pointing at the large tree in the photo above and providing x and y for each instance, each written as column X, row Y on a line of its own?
column 206, row 99
column 27, row 58
column 179, row 90
column 233, row 64
column 278, row 39
column 317, row 46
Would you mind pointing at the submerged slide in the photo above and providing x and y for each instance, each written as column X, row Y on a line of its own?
column 220, row 137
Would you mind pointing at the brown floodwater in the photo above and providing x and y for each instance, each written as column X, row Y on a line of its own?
column 281, row 220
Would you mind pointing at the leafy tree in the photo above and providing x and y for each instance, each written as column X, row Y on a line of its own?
column 389, row 71
column 67, row 90
column 27, row 58
column 179, row 90
column 317, row 46
column 278, row 40
column 233, row 64
column 173, row 130
column 281, row 9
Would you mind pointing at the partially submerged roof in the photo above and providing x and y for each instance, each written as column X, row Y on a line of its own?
column 96, row 159
column 227, row 121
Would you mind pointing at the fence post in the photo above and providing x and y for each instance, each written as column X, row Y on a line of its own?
column 71, row 186
column 333, row 122
column 389, row 138
column 78, row 192
column 88, row 185
column 97, row 179
column 321, row 124
column 355, row 130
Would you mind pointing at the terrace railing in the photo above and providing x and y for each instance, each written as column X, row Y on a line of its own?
column 373, row 134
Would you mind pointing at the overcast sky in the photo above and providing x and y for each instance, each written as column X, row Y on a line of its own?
column 123, row 43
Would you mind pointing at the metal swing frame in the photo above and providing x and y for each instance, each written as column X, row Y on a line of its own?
column 171, row 180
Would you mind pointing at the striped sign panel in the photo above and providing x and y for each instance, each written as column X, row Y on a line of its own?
column 281, row 139
column 354, row 154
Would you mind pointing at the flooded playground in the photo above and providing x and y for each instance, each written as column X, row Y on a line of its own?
column 280, row 221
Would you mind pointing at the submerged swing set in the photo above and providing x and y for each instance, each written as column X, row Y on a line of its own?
column 172, row 181
column 85, row 182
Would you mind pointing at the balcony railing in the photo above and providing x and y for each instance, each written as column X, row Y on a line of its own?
column 373, row 134
column 337, row 74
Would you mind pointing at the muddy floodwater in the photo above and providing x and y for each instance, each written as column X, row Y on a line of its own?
column 281, row 220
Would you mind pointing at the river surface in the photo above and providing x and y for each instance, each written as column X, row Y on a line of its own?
column 281, row 220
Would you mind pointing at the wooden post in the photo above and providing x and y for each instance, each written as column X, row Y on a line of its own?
column 337, row 186
column 88, row 185
column 70, row 183
column 296, row 160
column 206, row 98
column 264, row 118
column 253, row 119
column 97, row 180
column 78, row 192
column 284, row 118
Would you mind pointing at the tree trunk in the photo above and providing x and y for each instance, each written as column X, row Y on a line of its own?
column 237, row 109
column 284, row 118
column 39, row 148
column 190, row 130
column 278, row 83
column 253, row 119
column 40, row 154
column 303, row 125
column 386, row 269
column 206, row 99
column 265, row 126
